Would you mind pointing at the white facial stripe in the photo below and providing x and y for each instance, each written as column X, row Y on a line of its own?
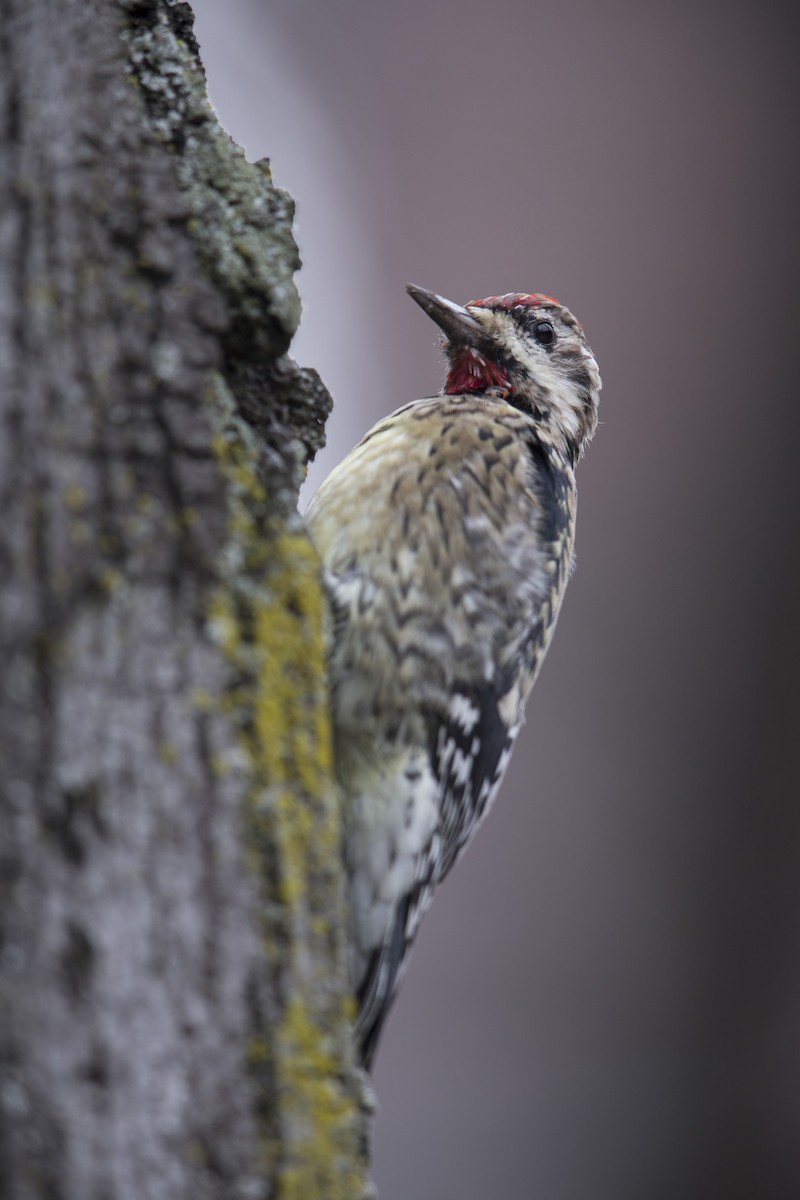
column 563, row 396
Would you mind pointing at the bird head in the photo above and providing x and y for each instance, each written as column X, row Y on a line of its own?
column 528, row 349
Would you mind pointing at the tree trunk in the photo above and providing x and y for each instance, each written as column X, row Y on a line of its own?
column 173, row 989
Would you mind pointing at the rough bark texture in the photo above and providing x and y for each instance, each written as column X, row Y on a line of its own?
column 173, row 1002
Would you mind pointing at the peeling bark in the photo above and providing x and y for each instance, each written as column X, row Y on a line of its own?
column 174, row 1010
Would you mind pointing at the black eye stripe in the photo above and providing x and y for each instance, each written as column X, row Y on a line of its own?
column 539, row 328
column 544, row 332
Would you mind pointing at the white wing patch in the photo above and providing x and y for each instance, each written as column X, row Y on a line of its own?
column 464, row 713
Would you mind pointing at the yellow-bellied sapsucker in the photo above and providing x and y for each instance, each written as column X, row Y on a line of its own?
column 446, row 540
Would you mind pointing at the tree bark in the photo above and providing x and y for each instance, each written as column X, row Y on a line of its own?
column 174, row 1008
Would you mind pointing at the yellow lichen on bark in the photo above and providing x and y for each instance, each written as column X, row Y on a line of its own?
column 268, row 617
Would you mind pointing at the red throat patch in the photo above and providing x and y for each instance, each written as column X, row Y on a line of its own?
column 471, row 372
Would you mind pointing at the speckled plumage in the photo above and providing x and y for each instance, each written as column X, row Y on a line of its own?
column 446, row 538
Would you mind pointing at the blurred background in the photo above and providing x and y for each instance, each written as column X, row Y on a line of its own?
column 604, row 1001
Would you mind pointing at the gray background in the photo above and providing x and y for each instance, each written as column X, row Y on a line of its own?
column 605, row 999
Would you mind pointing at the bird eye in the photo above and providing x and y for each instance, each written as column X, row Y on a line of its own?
column 544, row 333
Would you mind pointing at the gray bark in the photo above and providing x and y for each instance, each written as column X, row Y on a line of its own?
column 174, row 1014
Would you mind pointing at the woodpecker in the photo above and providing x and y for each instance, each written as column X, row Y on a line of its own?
column 446, row 539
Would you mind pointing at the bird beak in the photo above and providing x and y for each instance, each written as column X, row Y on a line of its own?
column 454, row 321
